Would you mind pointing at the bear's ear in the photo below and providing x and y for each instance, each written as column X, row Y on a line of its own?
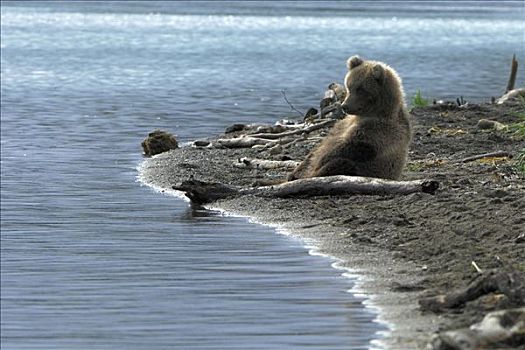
column 354, row 61
column 378, row 73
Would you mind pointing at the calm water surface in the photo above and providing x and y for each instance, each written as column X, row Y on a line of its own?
column 90, row 259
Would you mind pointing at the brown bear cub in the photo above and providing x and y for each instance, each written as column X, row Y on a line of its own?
column 373, row 139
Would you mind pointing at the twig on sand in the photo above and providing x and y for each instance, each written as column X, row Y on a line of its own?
column 476, row 267
column 205, row 192
column 486, row 155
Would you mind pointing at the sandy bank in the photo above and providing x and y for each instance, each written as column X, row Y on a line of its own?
column 404, row 247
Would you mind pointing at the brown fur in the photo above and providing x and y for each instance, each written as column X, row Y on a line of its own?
column 373, row 138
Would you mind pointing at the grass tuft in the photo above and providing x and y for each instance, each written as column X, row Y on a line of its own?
column 519, row 128
column 418, row 100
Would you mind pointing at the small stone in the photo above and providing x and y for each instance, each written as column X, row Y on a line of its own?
column 201, row 143
column 487, row 124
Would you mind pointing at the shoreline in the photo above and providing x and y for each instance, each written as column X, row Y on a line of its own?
column 407, row 247
column 366, row 280
column 364, row 284
column 366, row 270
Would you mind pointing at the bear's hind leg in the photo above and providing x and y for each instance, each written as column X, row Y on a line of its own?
column 336, row 166
column 301, row 170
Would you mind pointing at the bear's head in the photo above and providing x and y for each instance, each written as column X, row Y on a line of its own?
column 372, row 88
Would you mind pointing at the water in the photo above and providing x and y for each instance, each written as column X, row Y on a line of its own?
column 93, row 260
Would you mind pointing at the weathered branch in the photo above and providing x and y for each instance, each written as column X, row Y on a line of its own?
column 243, row 142
column 511, row 96
column 486, row 155
column 306, row 130
column 265, row 164
column 511, row 283
column 513, row 73
column 504, row 329
column 202, row 192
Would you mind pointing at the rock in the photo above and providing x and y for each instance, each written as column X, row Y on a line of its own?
column 311, row 113
column 487, row 124
column 234, row 128
column 325, row 102
column 333, row 97
column 339, row 91
column 201, row 143
column 158, row 141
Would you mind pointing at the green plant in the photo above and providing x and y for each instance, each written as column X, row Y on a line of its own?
column 418, row 100
column 518, row 128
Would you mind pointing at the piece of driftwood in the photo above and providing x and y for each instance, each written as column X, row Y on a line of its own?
column 265, row 164
column 308, row 129
column 509, row 282
column 275, row 129
column 204, row 192
column 243, row 142
column 503, row 329
column 486, row 155
column 512, row 96
column 282, row 141
column 513, row 72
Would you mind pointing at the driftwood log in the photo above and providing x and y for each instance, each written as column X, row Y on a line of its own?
column 503, row 329
column 509, row 282
column 243, row 142
column 204, row 192
column 265, row 164
column 512, row 96
column 271, row 139
column 307, row 129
